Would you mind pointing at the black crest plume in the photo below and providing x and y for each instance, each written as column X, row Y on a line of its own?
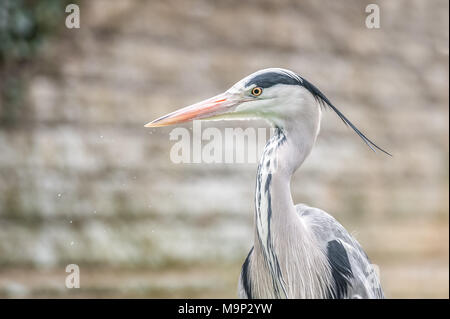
column 324, row 101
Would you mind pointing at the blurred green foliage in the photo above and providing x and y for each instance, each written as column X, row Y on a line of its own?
column 24, row 27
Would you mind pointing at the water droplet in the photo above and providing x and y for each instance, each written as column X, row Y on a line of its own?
column 59, row 195
column 71, row 243
column 70, row 222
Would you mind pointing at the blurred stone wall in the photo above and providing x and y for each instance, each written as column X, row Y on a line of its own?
column 81, row 180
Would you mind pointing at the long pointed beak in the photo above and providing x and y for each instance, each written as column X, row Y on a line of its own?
column 214, row 106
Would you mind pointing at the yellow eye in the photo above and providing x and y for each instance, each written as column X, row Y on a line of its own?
column 256, row 91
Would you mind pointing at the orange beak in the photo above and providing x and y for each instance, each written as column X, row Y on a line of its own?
column 214, row 106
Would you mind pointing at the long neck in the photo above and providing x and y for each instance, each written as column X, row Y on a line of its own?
column 275, row 214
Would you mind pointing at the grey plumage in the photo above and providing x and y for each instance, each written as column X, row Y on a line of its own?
column 309, row 254
column 299, row 251
column 346, row 269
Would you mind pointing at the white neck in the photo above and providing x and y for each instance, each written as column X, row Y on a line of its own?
column 279, row 233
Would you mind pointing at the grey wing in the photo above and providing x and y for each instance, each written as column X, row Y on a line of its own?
column 353, row 274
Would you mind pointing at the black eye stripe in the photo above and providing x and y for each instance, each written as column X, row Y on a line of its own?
column 268, row 79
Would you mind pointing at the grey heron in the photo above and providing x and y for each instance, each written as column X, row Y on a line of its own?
column 298, row 251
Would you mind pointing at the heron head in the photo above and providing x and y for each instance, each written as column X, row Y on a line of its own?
column 276, row 95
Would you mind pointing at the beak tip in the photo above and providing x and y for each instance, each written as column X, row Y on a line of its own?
column 150, row 124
